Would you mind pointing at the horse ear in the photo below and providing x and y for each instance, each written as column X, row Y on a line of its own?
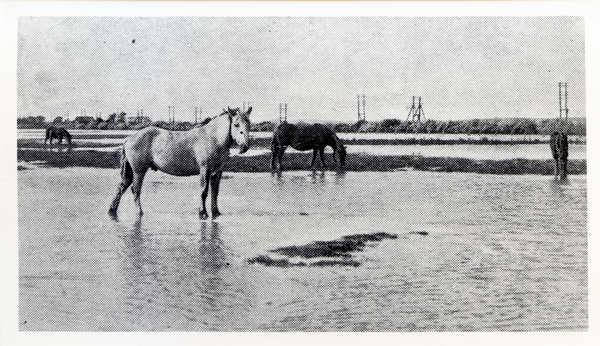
column 230, row 110
column 248, row 111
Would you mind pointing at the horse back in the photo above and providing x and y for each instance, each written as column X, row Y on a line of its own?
column 173, row 152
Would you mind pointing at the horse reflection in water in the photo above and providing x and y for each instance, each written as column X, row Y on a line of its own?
column 182, row 279
column 212, row 256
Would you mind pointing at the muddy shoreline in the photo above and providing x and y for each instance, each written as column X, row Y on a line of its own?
column 301, row 161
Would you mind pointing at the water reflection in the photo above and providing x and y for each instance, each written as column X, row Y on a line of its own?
column 339, row 175
column 277, row 176
column 212, row 255
column 557, row 186
column 317, row 177
column 59, row 148
column 134, row 245
column 174, row 273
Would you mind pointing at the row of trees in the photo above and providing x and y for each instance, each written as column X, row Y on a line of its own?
column 513, row 126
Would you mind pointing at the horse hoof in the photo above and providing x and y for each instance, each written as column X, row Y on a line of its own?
column 203, row 215
column 216, row 214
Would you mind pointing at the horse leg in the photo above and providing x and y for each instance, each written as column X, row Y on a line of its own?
column 136, row 188
column 279, row 156
column 563, row 169
column 126, row 181
column 322, row 155
column 215, row 180
column 204, row 180
column 274, row 152
column 312, row 163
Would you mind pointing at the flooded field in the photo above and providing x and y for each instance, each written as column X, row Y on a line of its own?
column 539, row 151
column 472, row 252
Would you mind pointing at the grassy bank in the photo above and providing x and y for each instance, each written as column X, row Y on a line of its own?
column 301, row 161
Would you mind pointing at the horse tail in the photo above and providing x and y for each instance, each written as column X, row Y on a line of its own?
column 126, row 171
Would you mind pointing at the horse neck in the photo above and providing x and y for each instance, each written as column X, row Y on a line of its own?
column 334, row 142
column 220, row 129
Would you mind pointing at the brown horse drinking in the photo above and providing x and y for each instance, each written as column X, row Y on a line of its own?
column 202, row 151
column 305, row 137
column 559, row 145
column 58, row 133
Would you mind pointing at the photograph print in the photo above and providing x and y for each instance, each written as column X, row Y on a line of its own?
column 338, row 174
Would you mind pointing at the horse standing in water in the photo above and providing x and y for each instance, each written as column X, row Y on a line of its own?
column 58, row 133
column 559, row 145
column 305, row 137
column 202, row 151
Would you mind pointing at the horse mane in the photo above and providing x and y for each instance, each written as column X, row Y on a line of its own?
column 208, row 120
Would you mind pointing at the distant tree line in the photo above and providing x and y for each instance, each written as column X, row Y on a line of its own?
column 511, row 126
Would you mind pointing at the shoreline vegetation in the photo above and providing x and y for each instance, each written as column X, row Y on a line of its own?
column 62, row 157
column 495, row 126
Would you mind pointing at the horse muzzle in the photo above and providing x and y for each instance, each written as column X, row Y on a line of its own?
column 243, row 148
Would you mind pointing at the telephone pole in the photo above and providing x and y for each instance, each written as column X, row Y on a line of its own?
column 562, row 97
column 361, row 116
column 283, row 116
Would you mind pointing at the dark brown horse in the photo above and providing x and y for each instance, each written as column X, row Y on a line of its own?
column 304, row 137
column 58, row 133
column 559, row 145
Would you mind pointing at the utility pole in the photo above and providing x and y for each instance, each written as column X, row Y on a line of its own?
column 562, row 86
column 362, row 116
column 358, row 106
column 282, row 115
column 416, row 112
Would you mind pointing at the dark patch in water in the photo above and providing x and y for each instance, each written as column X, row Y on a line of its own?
column 370, row 237
column 303, row 213
column 418, row 232
column 21, row 168
column 321, row 249
column 284, row 263
column 340, row 248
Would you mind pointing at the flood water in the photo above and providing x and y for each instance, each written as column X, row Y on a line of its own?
column 539, row 151
column 502, row 253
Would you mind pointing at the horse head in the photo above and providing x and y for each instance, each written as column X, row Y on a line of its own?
column 240, row 127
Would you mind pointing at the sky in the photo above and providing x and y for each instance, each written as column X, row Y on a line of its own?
column 462, row 67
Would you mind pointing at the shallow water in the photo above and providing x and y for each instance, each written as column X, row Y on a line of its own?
column 502, row 253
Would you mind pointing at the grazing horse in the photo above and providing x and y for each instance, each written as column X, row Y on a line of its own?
column 202, row 150
column 305, row 137
column 559, row 146
column 57, row 132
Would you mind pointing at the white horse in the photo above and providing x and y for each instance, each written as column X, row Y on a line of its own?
column 202, row 151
